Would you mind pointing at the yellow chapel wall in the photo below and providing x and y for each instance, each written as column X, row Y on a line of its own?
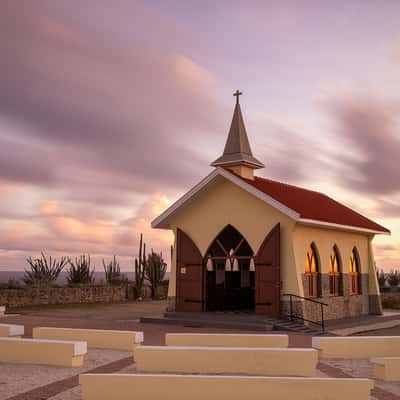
column 324, row 240
column 226, row 203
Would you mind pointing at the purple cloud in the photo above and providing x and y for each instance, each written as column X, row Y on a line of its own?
column 371, row 132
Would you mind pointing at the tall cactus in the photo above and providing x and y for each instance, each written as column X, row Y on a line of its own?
column 140, row 268
column 155, row 271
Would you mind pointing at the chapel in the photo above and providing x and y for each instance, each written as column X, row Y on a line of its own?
column 244, row 243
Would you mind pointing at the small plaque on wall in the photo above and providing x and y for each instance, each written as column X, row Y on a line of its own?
column 183, row 270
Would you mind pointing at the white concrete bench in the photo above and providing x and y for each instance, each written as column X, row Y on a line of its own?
column 104, row 339
column 227, row 360
column 387, row 368
column 357, row 346
column 37, row 351
column 214, row 387
column 7, row 330
column 225, row 340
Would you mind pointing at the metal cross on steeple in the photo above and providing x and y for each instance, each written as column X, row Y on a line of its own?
column 237, row 94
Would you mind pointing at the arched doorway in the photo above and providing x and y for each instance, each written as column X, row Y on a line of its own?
column 230, row 273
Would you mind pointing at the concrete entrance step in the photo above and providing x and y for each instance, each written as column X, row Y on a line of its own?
column 293, row 326
column 225, row 316
column 231, row 320
column 214, row 320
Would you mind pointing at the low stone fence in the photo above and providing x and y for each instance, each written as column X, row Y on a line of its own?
column 33, row 296
column 37, row 296
column 391, row 299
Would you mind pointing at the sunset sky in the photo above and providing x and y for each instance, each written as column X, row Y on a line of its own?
column 112, row 109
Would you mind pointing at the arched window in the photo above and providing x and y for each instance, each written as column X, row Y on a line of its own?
column 335, row 273
column 312, row 271
column 354, row 272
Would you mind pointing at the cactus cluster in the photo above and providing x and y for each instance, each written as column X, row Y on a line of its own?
column 112, row 272
column 80, row 272
column 43, row 271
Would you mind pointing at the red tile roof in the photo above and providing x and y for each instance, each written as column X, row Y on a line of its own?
column 314, row 205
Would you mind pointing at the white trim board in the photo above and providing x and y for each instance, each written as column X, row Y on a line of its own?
column 332, row 225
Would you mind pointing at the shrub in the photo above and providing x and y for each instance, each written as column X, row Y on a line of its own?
column 381, row 278
column 113, row 273
column 43, row 271
column 79, row 273
column 155, row 271
column 394, row 278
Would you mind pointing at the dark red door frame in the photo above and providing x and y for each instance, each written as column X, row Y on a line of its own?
column 189, row 275
column 268, row 275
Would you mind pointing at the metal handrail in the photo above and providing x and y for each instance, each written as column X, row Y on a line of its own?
column 292, row 316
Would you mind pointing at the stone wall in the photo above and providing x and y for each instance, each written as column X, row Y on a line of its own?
column 62, row 295
column 391, row 299
column 343, row 306
column 162, row 292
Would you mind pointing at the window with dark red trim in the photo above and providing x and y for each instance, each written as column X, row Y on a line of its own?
column 312, row 271
column 354, row 272
column 335, row 273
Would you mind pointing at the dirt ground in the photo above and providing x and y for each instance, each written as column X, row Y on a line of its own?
column 120, row 311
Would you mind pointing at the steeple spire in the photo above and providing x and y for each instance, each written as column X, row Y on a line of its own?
column 237, row 152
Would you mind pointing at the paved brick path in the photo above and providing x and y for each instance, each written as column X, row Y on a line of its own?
column 154, row 335
column 336, row 372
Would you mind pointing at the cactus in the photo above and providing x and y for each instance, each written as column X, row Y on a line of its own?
column 43, row 271
column 381, row 278
column 112, row 272
column 394, row 278
column 79, row 273
column 140, row 267
column 155, row 271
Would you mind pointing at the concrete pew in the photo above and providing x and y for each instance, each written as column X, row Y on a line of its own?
column 225, row 340
column 227, row 360
column 104, row 339
column 217, row 387
column 387, row 368
column 357, row 346
column 7, row 330
column 38, row 351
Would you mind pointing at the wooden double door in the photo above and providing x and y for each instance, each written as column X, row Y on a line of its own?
column 192, row 284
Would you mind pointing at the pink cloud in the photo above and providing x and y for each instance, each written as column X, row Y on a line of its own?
column 59, row 230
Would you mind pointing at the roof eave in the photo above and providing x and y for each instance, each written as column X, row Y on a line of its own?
column 351, row 228
column 253, row 164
